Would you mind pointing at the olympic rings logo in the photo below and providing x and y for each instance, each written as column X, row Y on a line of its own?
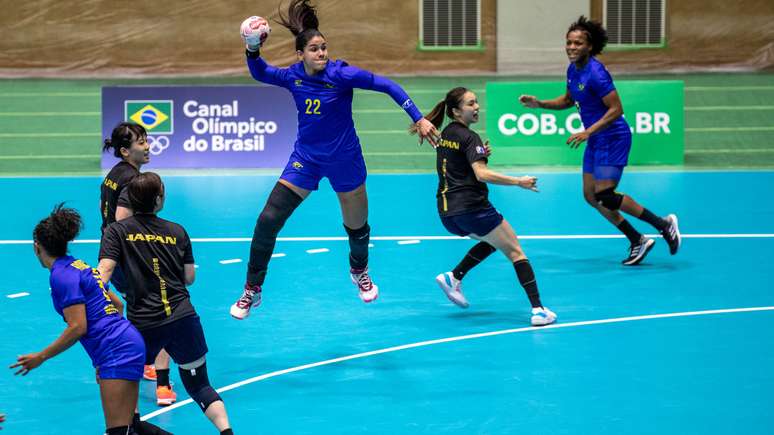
column 158, row 144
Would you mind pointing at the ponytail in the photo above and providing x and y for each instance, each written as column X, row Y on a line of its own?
column 301, row 20
column 452, row 100
column 123, row 136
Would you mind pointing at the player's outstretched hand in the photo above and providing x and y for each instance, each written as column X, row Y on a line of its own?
column 426, row 130
column 528, row 182
column 27, row 363
column 529, row 101
column 578, row 138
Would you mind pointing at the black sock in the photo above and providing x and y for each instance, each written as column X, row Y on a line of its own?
column 657, row 222
column 145, row 428
column 477, row 254
column 227, row 432
column 358, row 246
column 527, row 279
column 632, row 234
column 162, row 377
column 118, row 430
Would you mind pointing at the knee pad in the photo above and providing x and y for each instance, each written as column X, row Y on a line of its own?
column 280, row 205
column 609, row 198
column 197, row 384
column 361, row 233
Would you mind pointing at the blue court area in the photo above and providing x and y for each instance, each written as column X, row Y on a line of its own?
column 706, row 370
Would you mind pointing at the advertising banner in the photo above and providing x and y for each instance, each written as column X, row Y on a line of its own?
column 654, row 111
column 205, row 126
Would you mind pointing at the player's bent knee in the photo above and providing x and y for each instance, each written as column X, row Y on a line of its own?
column 197, row 384
column 609, row 198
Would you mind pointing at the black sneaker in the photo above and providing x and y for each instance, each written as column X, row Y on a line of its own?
column 672, row 234
column 638, row 251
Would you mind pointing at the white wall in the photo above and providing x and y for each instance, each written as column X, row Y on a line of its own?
column 530, row 34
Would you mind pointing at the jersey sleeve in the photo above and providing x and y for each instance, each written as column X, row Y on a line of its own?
column 601, row 82
column 474, row 149
column 358, row 78
column 66, row 287
column 265, row 73
column 123, row 198
column 110, row 245
column 188, row 257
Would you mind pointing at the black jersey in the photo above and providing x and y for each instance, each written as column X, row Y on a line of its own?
column 458, row 189
column 113, row 191
column 151, row 253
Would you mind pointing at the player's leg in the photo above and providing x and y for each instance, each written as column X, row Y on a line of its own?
column 504, row 238
column 354, row 211
column 667, row 226
column 188, row 349
column 295, row 184
column 348, row 178
column 165, row 396
column 119, row 398
column 451, row 282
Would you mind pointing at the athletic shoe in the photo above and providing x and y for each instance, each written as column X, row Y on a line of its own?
column 638, row 251
column 368, row 290
column 165, row 396
column 672, row 234
column 149, row 373
column 453, row 289
column 251, row 297
column 542, row 316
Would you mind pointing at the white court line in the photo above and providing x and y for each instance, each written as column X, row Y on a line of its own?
column 17, row 295
column 233, row 260
column 277, row 255
column 453, row 339
column 338, row 239
column 409, row 242
column 318, row 250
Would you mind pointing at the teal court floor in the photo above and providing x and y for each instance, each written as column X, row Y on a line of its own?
column 678, row 345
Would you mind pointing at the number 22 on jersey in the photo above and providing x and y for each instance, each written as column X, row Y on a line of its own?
column 312, row 106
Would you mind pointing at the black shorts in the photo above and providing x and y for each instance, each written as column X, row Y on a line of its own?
column 479, row 222
column 183, row 339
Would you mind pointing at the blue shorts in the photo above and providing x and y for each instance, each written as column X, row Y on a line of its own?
column 606, row 156
column 479, row 222
column 344, row 174
column 122, row 356
column 182, row 339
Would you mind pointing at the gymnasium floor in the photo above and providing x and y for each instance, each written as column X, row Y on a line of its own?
column 678, row 345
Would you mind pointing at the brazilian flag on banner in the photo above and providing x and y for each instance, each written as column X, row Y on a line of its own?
column 155, row 115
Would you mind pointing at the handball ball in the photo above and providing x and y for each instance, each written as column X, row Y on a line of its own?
column 255, row 30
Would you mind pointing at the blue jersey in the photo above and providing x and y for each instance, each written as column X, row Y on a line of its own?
column 326, row 131
column 75, row 282
column 587, row 87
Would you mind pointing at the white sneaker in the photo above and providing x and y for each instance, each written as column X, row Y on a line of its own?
column 542, row 316
column 453, row 289
column 251, row 297
column 368, row 291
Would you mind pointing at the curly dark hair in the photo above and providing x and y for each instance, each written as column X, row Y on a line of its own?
column 301, row 20
column 57, row 229
column 595, row 33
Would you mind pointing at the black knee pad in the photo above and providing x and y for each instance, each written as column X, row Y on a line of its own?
column 358, row 246
column 197, row 384
column 280, row 205
column 609, row 198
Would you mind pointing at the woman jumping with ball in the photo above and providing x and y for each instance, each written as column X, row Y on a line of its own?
column 326, row 146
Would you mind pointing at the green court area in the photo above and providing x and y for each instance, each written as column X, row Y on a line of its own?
column 53, row 126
